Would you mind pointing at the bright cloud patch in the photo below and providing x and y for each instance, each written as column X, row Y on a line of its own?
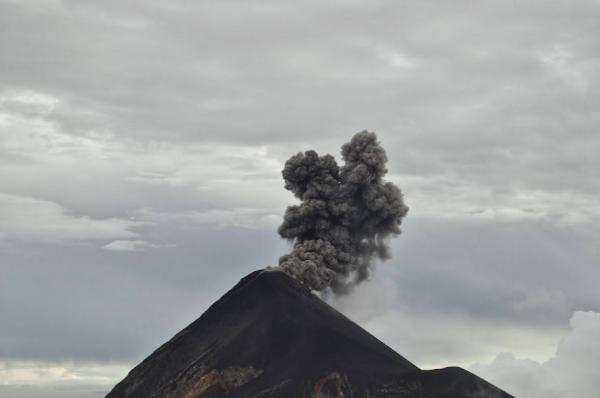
column 29, row 219
column 128, row 245
column 50, row 380
column 572, row 372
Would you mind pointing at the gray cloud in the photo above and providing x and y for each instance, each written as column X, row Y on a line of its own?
column 571, row 371
column 29, row 219
column 86, row 303
column 168, row 124
column 456, row 291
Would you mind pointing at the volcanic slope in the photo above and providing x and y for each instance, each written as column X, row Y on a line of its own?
column 270, row 337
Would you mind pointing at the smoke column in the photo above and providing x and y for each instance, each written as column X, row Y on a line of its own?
column 345, row 217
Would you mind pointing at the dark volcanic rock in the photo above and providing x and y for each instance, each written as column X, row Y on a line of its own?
column 270, row 337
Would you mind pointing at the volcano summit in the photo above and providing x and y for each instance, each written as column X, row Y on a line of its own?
column 271, row 337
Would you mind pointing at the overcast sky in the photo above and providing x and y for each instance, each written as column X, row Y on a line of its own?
column 141, row 148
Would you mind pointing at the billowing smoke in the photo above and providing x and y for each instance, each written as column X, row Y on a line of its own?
column 346, row 216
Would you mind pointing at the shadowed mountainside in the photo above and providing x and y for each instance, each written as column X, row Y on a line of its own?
column 269, row 336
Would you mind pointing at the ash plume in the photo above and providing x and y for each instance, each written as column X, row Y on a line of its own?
column 345, row 217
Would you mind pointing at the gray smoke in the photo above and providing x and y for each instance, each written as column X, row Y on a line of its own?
column 346, row 216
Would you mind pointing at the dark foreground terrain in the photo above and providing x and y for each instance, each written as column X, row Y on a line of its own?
column 271, row 337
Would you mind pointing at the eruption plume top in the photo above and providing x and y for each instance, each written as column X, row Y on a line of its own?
column 345, row 217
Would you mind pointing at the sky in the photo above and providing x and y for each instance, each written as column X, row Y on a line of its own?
column 141, row 148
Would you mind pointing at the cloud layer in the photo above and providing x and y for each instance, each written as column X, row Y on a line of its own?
column 572, row 371
column 35, row 220
column 141, row 147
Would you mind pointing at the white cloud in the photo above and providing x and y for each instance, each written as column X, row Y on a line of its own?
column 434, row 338
column 562, row 64
column 27, row 372
column 477, row 201
column 571, row 372
column 124, row 245
column 60, row 379
column 103, row 171
column 31, row 103
column 28, row 219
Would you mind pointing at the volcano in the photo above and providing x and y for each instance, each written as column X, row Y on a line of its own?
column 271, row 337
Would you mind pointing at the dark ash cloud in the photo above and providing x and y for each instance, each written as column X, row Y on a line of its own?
column 346, row 216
